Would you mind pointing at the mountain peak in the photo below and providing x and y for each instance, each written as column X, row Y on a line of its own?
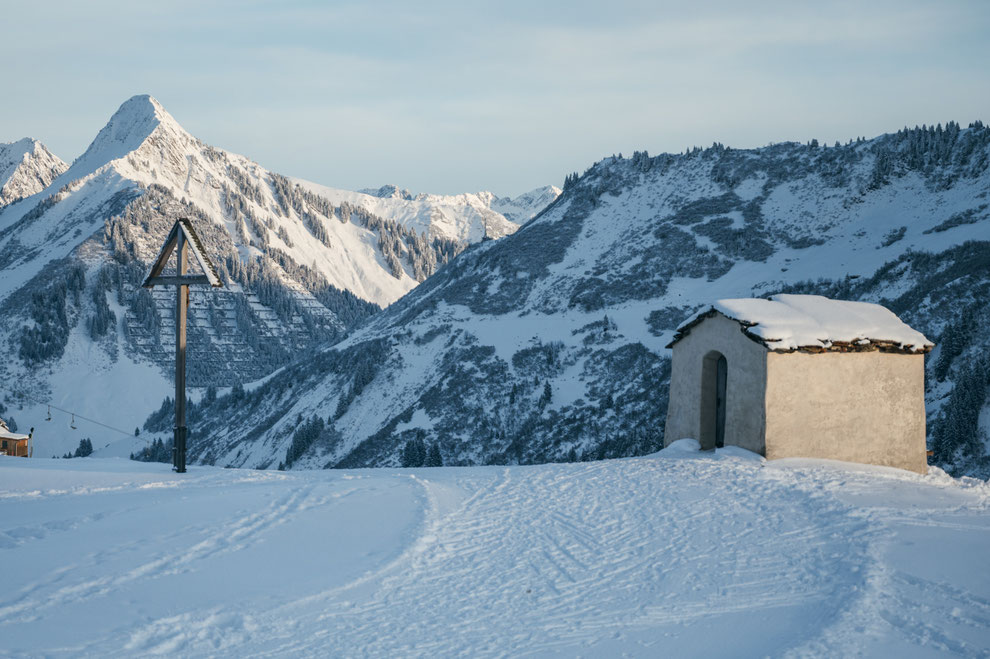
column 26, row 167
column 133, row 122
column 141, row 106
column 21, row 147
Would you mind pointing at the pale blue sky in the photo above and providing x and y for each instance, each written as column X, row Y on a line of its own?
column 462, row 96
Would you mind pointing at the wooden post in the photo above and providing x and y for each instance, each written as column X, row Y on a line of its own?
column 181, row 239
column 181, row 307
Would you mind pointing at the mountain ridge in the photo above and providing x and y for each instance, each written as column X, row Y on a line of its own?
column 550, row 344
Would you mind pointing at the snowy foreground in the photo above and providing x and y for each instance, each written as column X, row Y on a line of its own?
column 677, row 554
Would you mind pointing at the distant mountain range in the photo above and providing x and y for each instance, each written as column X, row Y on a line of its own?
column 549, row 345
column 499, row 216
column 303, row 265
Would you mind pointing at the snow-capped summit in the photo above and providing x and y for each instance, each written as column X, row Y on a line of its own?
column 141, row 124
column 26, row 167
column 131, row 124
column 143, row 145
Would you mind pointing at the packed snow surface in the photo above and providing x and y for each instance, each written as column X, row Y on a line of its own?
column 681, row 553
column 789, row 322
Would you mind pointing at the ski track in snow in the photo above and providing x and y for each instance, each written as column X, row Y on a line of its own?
column 550, row 567
column 227, row 538
column 682, row 553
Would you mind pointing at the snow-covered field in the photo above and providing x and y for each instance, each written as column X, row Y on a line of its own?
column 677, row 554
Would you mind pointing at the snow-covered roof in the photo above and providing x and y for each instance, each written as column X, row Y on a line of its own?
column 813, row 322
column 6, row 434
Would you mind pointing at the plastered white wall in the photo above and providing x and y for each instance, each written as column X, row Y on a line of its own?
column 745, row 384
column 860, row 407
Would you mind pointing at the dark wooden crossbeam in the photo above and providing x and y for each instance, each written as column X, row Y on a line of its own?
column 185, row 280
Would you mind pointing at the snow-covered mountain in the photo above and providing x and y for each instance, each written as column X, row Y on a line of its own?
column 549, row 344
column 26, row 167
column 302, row 265
column 468, row 216
column 526, row 206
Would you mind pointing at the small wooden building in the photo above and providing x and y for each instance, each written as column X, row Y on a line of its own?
column 14, row 444
column 801, row 376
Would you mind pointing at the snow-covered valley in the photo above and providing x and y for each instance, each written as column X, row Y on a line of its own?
column 680, row 553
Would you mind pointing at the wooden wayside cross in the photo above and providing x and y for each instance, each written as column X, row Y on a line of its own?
column 181, row 239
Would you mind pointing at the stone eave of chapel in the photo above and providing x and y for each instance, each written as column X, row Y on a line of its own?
column 860, row 345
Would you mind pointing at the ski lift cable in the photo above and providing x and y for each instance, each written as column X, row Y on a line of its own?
column 147, row 440
column 76, row 414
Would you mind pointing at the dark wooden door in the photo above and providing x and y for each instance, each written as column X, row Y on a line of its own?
column 720, row 377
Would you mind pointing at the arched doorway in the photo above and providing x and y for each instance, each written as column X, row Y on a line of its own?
column 714, row 375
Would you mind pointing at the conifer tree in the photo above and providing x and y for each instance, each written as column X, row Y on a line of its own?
column 414, row 452
column 433, row 458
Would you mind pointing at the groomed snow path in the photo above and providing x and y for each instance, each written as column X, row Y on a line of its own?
column 677, row 554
